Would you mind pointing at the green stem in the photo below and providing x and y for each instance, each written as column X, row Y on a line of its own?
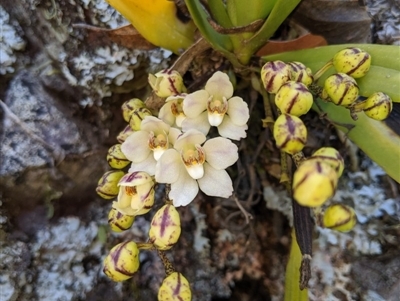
column 169, row 268
column 321, row 71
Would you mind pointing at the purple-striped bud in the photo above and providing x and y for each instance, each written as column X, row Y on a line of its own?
column 274, row 74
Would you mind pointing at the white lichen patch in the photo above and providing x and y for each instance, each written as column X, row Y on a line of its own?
column 59, row 251
column 201, row 244
column 10, row 42
column 386, row 17
column 278, row 199
column 96, row 71
column 103, row 13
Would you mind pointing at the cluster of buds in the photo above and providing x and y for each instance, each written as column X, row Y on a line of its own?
column 342, row 89
column 315, row 180
column 289, row 81
column 173, row 148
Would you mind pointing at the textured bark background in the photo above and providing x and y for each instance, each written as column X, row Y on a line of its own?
column 61, row 94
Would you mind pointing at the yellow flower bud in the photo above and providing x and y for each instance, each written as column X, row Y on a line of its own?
column 330, row 156
column 175, row 287
column 129, row 106
column 118, row 221
column 116, row 158
column 290, row 133
column 341, row 88
column 122, row 262
column 378, row 106
column 107, row 187
column 137, row 116
column 314, row 182
column 125, row 133
column 165, row 227
column 136, row 193
column 300, row 73
column 274, row 74
column 352, row 61
column 167, row 83
column 294, row 98
column 339, row 217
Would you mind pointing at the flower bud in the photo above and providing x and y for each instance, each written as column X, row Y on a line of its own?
column 290, row 133
column 118, row 221
column 294, row 98
column 137, row 117
column 167, row 83
column 107, row 187
column 378, row 106
column 125, row 133
column 116, row 158
column 300, row 73
column 129, row 106
column 330, row 156
column 314, row 182
column 165, row 227
column 122, row 262
column 341, row 88
column 352, row 61
column 136, row 193
column 175, row 287
column 339, row 217
column 274, row 74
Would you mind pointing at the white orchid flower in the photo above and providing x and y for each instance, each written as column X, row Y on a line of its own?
column 146, row 146
column 190, row 166
column 172, row 112
column 215, row 106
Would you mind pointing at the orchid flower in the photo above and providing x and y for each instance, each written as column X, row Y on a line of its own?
column 146, row 146
column 215, row 106
column 172, row 112
column 191, row 165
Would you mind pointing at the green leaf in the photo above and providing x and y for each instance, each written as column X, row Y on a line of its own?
column 292, row 276
column 279, row 13
column 218, row 41
column 374, row 137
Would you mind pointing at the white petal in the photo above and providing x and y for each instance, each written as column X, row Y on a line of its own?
column 195, row 103
column 196, row 171
column 153, row 124
column 135, row 147
column 232, row 131
column 219, row 86
column 166, row 115
column 148, row 165
column 215, row 182
column 179, row 119
column 199, row 123
column 169, row 166
column 215, row 119
column 184, row 190
column 220, row 152
column 158, row 152
column 190, row 138
column 238, row 110
column 173, row 135
column 124, row 210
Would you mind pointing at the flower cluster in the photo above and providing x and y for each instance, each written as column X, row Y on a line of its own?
column 173, row 148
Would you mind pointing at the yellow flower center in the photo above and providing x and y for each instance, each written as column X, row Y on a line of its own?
column 130, row 190
column 158, row 142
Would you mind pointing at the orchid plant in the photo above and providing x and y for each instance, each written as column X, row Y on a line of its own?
column 179, row 153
